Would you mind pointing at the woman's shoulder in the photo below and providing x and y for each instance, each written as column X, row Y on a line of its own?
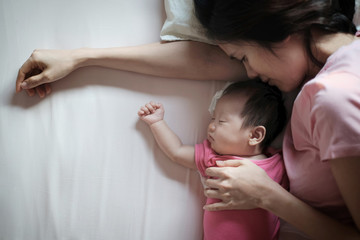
column 345, row 59
column 329, row 96
column 332, row 96
column 340, row 74
column 332, row 86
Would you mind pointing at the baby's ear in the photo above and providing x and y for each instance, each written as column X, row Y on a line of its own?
column 257, row 135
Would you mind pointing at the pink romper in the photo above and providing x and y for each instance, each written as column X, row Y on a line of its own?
column 252, row 224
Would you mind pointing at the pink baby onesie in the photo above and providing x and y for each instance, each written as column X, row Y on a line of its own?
column 251, row 224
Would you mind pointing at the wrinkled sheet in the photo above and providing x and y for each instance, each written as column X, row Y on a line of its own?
column 79, row 164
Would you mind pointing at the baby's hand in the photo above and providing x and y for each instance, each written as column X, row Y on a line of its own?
column 151, row 113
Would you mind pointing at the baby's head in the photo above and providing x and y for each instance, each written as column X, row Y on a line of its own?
column 247, row 118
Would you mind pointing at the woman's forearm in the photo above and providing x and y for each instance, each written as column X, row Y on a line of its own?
column 182, row 59
column 309, row 220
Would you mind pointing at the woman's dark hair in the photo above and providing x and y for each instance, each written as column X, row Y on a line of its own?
column 264, row 107
column 271, row 21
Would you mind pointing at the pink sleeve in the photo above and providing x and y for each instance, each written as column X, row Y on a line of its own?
column 200, row 155
column 335, row 117
column 203, row 153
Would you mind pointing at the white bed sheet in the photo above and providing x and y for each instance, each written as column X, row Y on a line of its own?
column 79, row 164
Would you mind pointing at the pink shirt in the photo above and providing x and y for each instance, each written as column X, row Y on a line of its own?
column 325, row 124
column 252, row 224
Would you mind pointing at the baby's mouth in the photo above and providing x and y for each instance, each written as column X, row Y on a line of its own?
column 210, row 138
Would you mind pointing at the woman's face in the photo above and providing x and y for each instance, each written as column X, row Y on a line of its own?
column 286, row 67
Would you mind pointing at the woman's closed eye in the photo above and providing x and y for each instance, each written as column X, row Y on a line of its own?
column 243, row 59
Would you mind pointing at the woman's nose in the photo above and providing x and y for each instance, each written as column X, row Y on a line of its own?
column 250, row 72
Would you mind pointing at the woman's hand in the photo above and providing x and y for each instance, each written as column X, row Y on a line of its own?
column 240, row 184
column 42, row 68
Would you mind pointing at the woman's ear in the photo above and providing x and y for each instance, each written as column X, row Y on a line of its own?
column 257, row 135
column 287, row 39
column 283, row 43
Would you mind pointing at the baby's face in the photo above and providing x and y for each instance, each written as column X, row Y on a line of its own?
column 225, row 131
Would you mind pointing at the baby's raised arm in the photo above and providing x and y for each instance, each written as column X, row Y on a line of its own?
column 153, row 114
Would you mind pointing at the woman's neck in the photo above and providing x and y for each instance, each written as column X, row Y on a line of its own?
column 325, row 44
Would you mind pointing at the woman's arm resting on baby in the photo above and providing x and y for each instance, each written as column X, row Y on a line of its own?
column 243, row 185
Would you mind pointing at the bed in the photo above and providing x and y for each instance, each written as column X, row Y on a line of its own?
column 79, row 164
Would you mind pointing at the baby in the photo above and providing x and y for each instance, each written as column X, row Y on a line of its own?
column 247, row 118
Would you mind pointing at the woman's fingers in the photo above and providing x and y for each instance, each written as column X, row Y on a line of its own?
column 42, row 67
column 30, row 92
column 35, row 80
column 23, row 71
column 219, row 171
column 41, row 91
column 213, row 183
column 217, row 193
column 217, row 206
column 216, row 172
column 229, row 163
column 32, row 79
column 47, row 88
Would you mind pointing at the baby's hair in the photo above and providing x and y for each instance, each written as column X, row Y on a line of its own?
column 264, row 107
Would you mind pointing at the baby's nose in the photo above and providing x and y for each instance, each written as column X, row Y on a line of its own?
column 212, row 127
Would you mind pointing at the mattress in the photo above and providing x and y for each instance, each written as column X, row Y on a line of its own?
column 79, row 164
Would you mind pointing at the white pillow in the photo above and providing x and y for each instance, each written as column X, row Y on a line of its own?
column 357, row 14
column 181, row 23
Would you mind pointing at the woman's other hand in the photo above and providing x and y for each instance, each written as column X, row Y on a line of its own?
column 240, row 184
column 42, row 68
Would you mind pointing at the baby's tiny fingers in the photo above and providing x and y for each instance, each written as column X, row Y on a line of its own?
column 145, row 110
column 140, row 113
column 155, row 105
column 150, row 108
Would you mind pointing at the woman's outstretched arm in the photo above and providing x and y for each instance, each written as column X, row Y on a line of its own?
column 182, row 59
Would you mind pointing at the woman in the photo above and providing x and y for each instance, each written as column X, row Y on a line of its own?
column 294, row 44
column 289, row 44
